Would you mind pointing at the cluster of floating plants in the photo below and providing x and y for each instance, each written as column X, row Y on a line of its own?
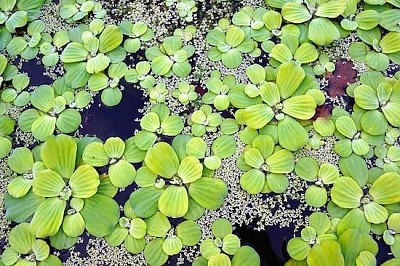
column 251, row 85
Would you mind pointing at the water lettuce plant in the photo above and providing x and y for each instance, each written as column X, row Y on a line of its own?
column 130, row 230
column 186, row 9
column 171, row 57
column 185, row 93
column 222, row 147
column 321, row 30
column 228, row 43
column 49, row 112
column 384, row 49
column 225, row 247
column 90, row 52
column 158, row 122
column 22, row 162
column 117, row 155
column 25, row 249
column 204, row 120
column 16, row 93
column 16, row 13
column 265, row 166
column 6, row 128
column 281, row 103
column 346, row 193
column 169, row 240
column 69, row 192
column 141, row 73
column 28, row 45
column 308, row 169
column 218, row 90
column 179, row 180
column 312, row 237
column 264, row 110
column 75, row 10
column 137, row 33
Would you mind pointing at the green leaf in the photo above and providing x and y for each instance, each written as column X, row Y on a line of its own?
column 21, row 239
column 209, row 192
column 298, row 249
column 144, row 201
column 84, row 182
column 346, row 193
column 322, row 31
column 300, row 107
column 353, row 242
column 162, row 159
column 295, row 12
column 246, row 255
column 232, row 58
column 74, row 52
column 48, row 217
column 286, row 129
column 253, row 181
column 189, row 232
column 108, row 216
column 154, row 254
column 122, row 174
column 174, row 202
column 288, row 86
column 385, row 190
column 20, row 209
column 327, row 251
column 110, row 38
column 48, row 184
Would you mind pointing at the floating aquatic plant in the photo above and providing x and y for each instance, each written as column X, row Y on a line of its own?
column 220, row 249
column 346, row 193
column 49, row 112
column 16, row 14
column 204, row 120
column 280, row 102
column 141, row 73
column 384, row 49
column 109, row 86
column 130, row 230
column 308, row 169
column 16, row 93
column 49, row 48
column 25, row 249
column 321, row 30
column 158, row 122
column 137, row 33
column 265, row 166
column 228, row 43
column 28, row 45
column 186, row 9
column 69, row 192
column 6, row 128
column 218, row 90
column 169, row 241
column 21, row 161
column 171, row 57
column 75, row 10
column 90, row 52
column 222, row 147
column 187, row 33
column 388, row 158
column 179, row 180
column 324, row 65
column 158, row 93
column 185, row 93
column 115, row 153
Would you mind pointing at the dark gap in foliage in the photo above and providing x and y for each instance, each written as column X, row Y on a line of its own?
column 117, row 121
